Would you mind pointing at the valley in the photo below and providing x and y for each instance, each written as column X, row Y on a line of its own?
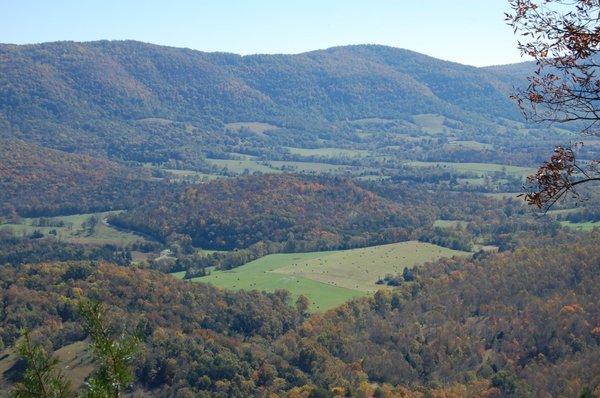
column 339, row 222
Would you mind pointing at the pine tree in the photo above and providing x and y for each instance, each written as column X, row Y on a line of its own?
column 113, row 356
column 42, row 378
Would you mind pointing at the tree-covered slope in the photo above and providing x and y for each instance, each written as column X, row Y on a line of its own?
column 119, row 96
column 37, row 181
column 238, row 212
column 514, row 325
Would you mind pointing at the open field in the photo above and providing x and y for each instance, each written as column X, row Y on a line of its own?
column 75, row 362
column 581, row 226
column 558, row 212
column 259, row 275
column 503, row 195
column 242, row 166
column 329, row 152
column 360, row 268
column 74, row 231
column 190, row 175
column 430, row 122
column 480, row 169
column 331, row 278
column 255, row 127
column 318, row 167
column 469, row 145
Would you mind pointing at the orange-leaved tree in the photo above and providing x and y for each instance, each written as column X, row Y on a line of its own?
column 563, row 36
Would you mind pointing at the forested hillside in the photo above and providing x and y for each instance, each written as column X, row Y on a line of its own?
column 511, row 325
column 127, row 98
column 342, row 176
column 236, row 213
column 37, row 181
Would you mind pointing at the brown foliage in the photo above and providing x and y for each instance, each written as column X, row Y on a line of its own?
column 563, row 36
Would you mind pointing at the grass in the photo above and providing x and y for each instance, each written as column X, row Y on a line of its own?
column 255, row 127
column 430, row 122
column 469, row 144
column 330, row 278
column 581, row 226
column 73, row 230
column 242, row 166
column 480, row 169
column 318, row 167
column 503, row 195
column 75, row 362
column 562, row 211
column 191, row 174
column 329, row 152
column 259, row 275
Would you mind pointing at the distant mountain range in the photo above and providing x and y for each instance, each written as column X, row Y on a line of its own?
column 104, row 94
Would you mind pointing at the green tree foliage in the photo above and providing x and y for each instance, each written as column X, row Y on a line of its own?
column 113, row 355
column 42, row 377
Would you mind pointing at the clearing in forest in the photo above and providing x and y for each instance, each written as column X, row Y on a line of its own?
column 328, row 278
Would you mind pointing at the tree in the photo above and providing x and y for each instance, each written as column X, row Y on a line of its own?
column 42, row 378
column 563, row 36
column 302, row 304
column 114, row 356
column 89, row 225
column 408, row 274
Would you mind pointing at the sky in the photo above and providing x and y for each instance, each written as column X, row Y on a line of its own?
column 471, row 32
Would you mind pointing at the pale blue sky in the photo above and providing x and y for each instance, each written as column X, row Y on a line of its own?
column 467, row 31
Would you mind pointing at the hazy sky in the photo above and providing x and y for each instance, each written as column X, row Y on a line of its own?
column 467, row 31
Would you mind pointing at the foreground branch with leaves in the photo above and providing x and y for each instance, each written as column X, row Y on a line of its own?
column 42, row 378
column 563, row 36
column 113, row 356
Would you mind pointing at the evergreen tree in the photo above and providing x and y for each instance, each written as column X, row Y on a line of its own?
column 42, row 378
column 113, row 356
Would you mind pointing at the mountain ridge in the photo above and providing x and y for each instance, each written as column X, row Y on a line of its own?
column 78, row 95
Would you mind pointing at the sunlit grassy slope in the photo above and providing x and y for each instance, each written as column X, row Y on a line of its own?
column 331, row 278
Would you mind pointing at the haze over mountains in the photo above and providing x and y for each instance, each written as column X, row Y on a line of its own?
column 73, row 95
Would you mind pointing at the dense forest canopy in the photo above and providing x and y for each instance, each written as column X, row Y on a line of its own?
column 502, row 325
column 236, row 213
column 38, row 181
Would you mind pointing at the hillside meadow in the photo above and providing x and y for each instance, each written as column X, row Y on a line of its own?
column 328, row 278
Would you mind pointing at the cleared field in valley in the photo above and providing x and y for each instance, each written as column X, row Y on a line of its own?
column 478, row 168
column 74, row 230
column 331, row 278
column 581, row 226
column 242, row 166
column 329, row 152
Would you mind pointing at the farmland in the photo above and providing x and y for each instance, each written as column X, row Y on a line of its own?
column 255, row 127
column 72, row 229
column 581, row 226
column 480, row 169
column 241, row 166
column 328, row 152
column 328, row 278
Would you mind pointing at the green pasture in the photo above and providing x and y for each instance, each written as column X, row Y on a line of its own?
column 73, row 230
column 328, row 278
column 581, row 226
column 242, row 166
column 480, row 169
column 329, row 152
